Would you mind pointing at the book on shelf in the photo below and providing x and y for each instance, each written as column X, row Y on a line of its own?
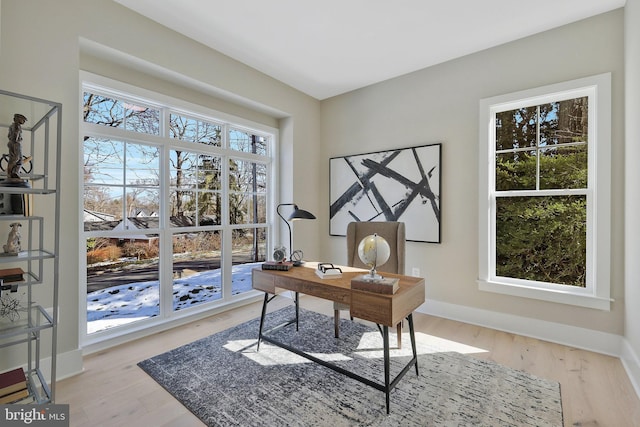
column 12, row 275
column 274, row 265
column 13, row 397
column 386, row 285
column 12, row 381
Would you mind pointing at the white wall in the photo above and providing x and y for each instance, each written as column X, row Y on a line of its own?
column 441, row 104
column 45, row 43
column 632, row 196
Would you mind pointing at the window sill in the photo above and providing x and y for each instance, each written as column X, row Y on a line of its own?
column 560, row 297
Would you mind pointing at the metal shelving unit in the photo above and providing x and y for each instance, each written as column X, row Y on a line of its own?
column 36, row 320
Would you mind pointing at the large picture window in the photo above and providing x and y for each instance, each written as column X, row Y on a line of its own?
column 544, row 210
column 175, row 207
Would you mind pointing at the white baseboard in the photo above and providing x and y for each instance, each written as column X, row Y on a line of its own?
column 586, row 339
column 631, row 364
column 67, row 365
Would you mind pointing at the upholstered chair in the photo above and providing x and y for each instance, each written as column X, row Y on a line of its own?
column 394, row 234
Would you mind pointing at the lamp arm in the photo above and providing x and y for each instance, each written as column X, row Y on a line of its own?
column 288, row 225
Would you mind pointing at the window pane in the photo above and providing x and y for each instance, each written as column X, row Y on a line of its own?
column 115, row 298
column 103, row 161
column 564, row 122
column 113, row 112
column 209, row 172
column 248, row 143
column 247, row 176
column 249, row 247
column 142, row 119
column 516, row 128
column 209, row 208
column 102, row 110
column 182, row 169
column 563, row 167
column 143, row 165
column 192, row 130
column 247, row 208
column 143, row 203
column 102, row 207
column 182, row 204
column 532, row 235
column 516, row 171
column 196, row 268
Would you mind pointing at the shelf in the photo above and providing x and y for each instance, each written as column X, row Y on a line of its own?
column 30, row 278
column 18, row 331
column 20, row 217
column 33, row 255
column 24, row 190
column 34, row 108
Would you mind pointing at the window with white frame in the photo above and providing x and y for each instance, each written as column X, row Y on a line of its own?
column 175, row 204
column 544, row 211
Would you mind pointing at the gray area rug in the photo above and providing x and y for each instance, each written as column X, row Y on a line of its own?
column 225, row 382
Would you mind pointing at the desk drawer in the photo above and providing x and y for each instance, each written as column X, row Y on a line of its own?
column 263, row 282
column 370, row 306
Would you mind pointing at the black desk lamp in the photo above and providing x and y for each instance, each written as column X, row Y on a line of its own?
column 296, row 214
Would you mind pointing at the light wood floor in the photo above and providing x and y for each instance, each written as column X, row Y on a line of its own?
column 113, row 391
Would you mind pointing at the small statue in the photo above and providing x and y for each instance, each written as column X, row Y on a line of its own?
column 15, row 148
column 13, row 245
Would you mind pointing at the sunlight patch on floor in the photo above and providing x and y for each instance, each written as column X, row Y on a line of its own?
column 370, row 345
column 270, row 355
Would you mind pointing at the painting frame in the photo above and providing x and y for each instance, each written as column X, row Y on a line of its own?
column 402, row 184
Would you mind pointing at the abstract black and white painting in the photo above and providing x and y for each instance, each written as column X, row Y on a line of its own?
column 395, row 185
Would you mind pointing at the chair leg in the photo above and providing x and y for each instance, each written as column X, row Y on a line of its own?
column 400, row 335
column 336, row 323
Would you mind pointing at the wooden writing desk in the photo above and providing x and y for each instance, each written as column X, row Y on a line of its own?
column 384, row 310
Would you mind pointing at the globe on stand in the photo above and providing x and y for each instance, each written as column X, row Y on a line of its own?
column 373, row 251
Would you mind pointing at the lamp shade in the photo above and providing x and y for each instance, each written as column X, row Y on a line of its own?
column 301, row 214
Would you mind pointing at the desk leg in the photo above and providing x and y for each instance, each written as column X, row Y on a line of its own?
column 264, row 312
column 387, row 387
column 297, row 310
column 413, row 340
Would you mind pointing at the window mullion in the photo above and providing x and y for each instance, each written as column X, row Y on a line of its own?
column 538, row 147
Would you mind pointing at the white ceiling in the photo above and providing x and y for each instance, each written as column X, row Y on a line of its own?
column 325, row 48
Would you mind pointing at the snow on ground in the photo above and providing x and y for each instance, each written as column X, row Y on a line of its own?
column 118, row 305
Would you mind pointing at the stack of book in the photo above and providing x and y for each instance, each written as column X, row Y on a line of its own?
column 10, row 278
column 274, row 265
column 13, row 386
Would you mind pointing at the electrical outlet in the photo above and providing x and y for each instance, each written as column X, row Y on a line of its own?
column 415, row 272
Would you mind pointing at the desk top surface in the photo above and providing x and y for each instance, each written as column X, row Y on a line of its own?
column 307, row 273
column 382, row 308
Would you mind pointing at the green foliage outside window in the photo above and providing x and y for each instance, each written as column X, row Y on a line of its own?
column 542, row 237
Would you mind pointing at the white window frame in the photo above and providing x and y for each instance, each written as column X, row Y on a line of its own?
column 120, row 90
column 596, row 293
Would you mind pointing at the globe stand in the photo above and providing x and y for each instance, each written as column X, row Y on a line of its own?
column 373, row 276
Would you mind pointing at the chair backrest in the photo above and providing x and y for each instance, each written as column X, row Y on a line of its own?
column 392, row 232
